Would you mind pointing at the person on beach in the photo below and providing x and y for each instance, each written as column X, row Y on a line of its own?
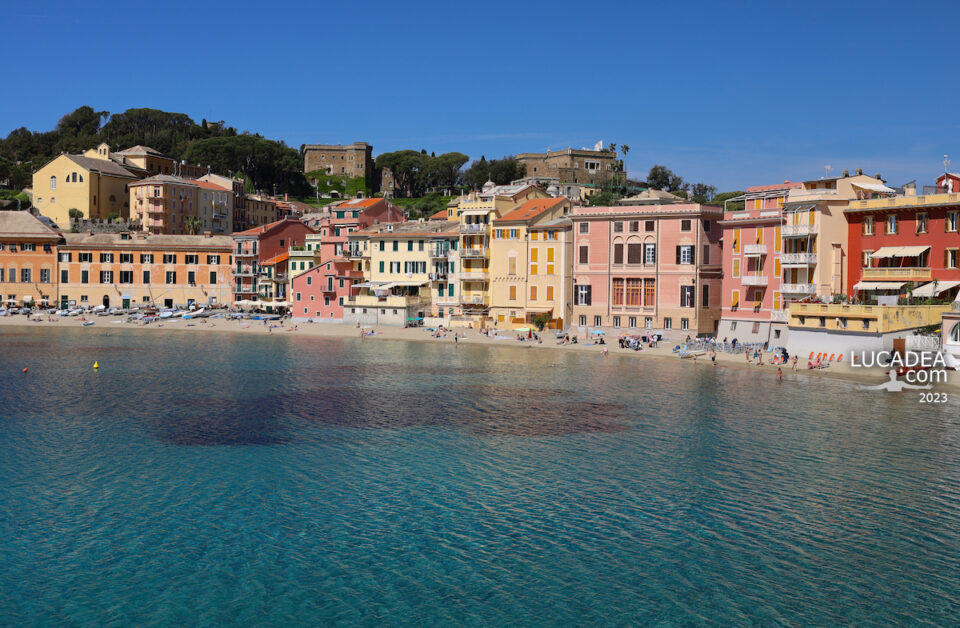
column 713, row 357
column 746, row 354
column 759, row 357
column 779, row 374
column 794, row 360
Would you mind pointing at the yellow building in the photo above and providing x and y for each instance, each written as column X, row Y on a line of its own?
column 531, row 264
column 475, row 214
column 95, row 187
column 399, row 263
column 165, row 204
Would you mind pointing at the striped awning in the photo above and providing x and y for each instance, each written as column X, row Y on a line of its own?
column 929, row 290
column 878, row 285
column 898, row 251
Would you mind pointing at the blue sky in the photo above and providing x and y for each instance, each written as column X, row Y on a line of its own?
column 731, row 94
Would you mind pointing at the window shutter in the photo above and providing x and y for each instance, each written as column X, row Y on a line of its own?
column 589, row 296
column 678, row 254
column 693, row 254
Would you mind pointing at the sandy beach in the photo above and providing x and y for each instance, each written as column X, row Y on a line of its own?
column 766, row 373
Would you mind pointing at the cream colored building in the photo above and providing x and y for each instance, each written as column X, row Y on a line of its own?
column 400, row 280
column 531, row 264
column 813, row 241
column 214, row 208
column 96, row 187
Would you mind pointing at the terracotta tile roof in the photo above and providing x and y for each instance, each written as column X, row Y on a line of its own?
column 260, row 229
column 440, row 215
column 206, row 185
column 530, row 209
column 361, row 202
column 276, row 259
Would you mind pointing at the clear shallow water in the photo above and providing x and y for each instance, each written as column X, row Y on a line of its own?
column 215, row 479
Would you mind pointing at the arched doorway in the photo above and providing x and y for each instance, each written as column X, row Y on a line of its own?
column 106, row 300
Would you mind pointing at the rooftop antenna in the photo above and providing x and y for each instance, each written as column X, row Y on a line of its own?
column 946, row 163
column 827, row 169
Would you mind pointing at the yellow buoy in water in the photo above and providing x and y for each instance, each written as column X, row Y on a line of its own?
column 96, row 365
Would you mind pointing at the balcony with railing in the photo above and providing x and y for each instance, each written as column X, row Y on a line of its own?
column 439, row 252
column 370, row 300
column 473, row 253
column 474, row 275
column 470, row 299
column 243, row 271
column 754, row 280
column 779, row 316
column 754, row 249
column 473, row 228
column 354, row 252
column 798, row 258
column 798, row 288
column 906, row 274
column 797, row 231
column 441, row 276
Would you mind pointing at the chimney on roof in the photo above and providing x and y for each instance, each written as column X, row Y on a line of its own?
column 859, row 171
column 877, row 176
column 846, row 173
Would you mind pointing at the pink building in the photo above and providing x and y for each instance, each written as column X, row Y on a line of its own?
column 320, row 292
column 348, row 217
column 753, row 307
column 254, row 247
column 647, row 267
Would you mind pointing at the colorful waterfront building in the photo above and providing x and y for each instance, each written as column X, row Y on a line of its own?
column 238, row 211
column 788, row 244
column 28, row 260
column 655, row 267
column 904, row 245
column 399, row 262
column 531, row 263
column 137, row 268
column 259, row 210
column 475, row 213
column 338, row 221
column 253, row 247
column 319, row 294
column 752, row 304
column 305, row 256
column 164, row 204
column 214, row 207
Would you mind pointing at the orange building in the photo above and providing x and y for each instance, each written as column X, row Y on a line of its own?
column 127, row 269
column 164, row 204
column 27, row 260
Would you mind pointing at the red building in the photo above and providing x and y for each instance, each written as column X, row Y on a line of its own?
column 254, row 247
column 320, row 292
column 904, row 245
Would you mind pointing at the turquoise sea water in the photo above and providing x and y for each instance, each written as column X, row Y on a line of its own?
column 223, row 480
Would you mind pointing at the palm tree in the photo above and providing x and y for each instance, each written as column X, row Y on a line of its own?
column 193, row 224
